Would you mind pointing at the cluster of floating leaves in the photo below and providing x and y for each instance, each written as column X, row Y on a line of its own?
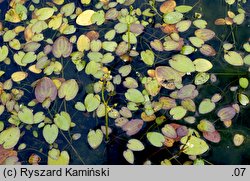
column 177, row 114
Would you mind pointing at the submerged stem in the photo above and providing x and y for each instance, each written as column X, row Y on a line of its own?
column 106, row 110
column 73, row 148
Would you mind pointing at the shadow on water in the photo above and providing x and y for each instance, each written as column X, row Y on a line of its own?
column 223, row 153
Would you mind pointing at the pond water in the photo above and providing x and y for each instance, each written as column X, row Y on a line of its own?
column 223, row 152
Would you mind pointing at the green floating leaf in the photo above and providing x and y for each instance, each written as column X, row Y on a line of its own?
column 182, row 63
column 244, row 82
column 206, row 106
column 134, row 95
column 9, row 35
column 63, row 121
column 178, row 112
column 92, row 102
column 201, row 78
column 135, row 145
column 129, row 156
column 95, row 138
column 9, row 137
column 243, row 99
column 55, row 157
column 23, row 59
column 4, row 51
column 233, row 58
column 200, row 23
column 68, row 9
column 130, row 38
column 68, row 90
column 148, row 57
column 26, row 116
column 156, row 139
column 194, row 146
column 44, row 13
column 50, row 133
column 183, row 8
column 80, row 106
column 202, row 65
column 172, row 17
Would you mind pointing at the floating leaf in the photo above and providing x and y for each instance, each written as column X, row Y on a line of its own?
column 62, row 47
column 135, row 145
column 183, row 8
column 129, row 156
column 68, row 90
column 178, row 112
column 202, row 65
column 45, row 88
column 9, row 137
column 50, row 133
column 95, row 138
column 182, row 63
column 197, row 42
column 9, row 35
column 183, row 26
column 55, row 157
column 207, row 50
column 134, row 95
column 200, row 23
column 168, row 6
column 169, row 131
column 206, row 106
column 63, row 121
column 83, row 43
column 239, row 19
column 189, row 105
column 19, row 76
column 68, row 9
column 167, row 103
column 201, row 78
column 243, row 99
column 92, row 102
column 194, row 146
column 148, row 57
column 226, row 113
column 156, row 139
column 212, row 136
column 205, row 34
column 133, row 127
column 206, row 126
column 244, row 82
column 233, row 58
column 84, row 19
column 4, row 51
column 172, row 17
column 238, row 139
column 44, row 13
column 80, row 106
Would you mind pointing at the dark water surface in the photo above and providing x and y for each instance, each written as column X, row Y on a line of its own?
column 223, row 153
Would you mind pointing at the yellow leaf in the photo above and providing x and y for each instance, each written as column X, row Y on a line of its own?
column 83, row 43
column 19, row 76
column 84, row 19
column 85, row 1
column 35, row 70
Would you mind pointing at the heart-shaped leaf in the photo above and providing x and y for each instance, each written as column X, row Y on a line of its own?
column 156, row 139
column 9, row 137
column 95, row 138
column 129, row 156
column 55, row 157
column 50, row 133
column 92, row 102
column 135, row 145
column 63, row 121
